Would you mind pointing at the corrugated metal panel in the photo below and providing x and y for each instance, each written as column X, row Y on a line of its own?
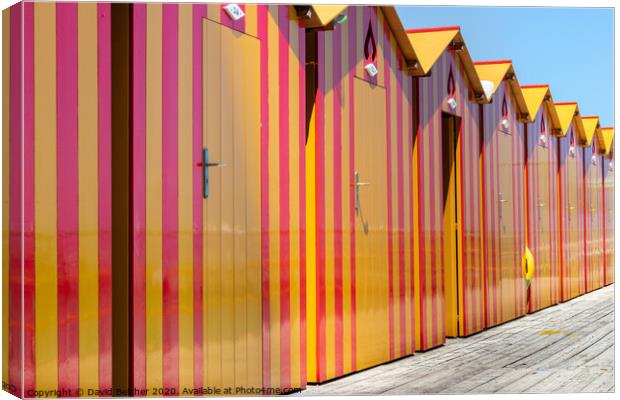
column 359, row 276
column 504, row 209
column 66, row 197
column 187, row 327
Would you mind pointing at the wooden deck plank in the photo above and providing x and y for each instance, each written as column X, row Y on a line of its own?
column 564, row 348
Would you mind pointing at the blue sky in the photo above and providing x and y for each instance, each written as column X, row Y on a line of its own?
column 571, row 49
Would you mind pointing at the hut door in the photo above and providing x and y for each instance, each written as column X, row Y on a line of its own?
column 594, row 247
column 507, row 244
column 450, row 136
column 572, row 229
column 542, row 271
column 370, row 188
column 231, row 207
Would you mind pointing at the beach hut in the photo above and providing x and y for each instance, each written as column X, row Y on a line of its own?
column 360, row 239
column 571, row 202
column 607, row 147
column 217, row 174
column 606, row 142
column 56, row 198
column 541, row 195
column 449, row 270
column 593, row 176
column 503, row 187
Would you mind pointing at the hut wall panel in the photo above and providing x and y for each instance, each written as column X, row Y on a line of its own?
column 594, row 218
column 334, row 329
column 181, row 336
column 608, row 219
column 504, row 284
column 64, row 145
column 571, row 218
column 542, row 213
column 433, row 94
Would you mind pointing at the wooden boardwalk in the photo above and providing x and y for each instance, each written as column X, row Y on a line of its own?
column 565, row 348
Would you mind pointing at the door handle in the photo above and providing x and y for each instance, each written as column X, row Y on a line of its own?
column 205, row 164
column 540, row 205
column 501, row 198
column 357, row 185
column 571, row 207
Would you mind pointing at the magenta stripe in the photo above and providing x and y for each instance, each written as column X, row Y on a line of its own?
column 170, row 194
column 513, row 202
column 284, row 194
column 105, row 200
column 352, row 63
column 411, row 96
column 16, row 323
column 264, row 116
column 434, row 131
column 28, row 161
column 337, row 189
column 422, row 229
column 388, row 135
column 67, row 195
column 401, row 206
column 199, row 11
column 302, row 207
column 138, row 374
column 320, row 213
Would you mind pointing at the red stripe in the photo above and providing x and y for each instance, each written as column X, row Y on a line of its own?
column 16, row 324
column 435, row 131
column 199, row 12
column 302, row 208
column 284, row 191
column 28, row 161
column 493, row 62
column 421, row 162
column 337, row 189
column 485, row 201
column 352, row 64
column 67, row 196
column 401, row 210
column 590, row 117
column 105, row 200
column 436, row 29
column 412, row 255
column 170, row 194
column 513, row 201
column 565, row 103
column 320, row 214
column 534, row 86
column 138, row 184
column 464, row 244
column 264, row 116
column 388, row 135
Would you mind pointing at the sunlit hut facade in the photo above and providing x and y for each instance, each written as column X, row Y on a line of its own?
column 541, row 193
column 606, row 140
column 359, row 191
column 449, row 272
column 503, row 189
column 302, row 192
column 571, row 202
column 593, row 214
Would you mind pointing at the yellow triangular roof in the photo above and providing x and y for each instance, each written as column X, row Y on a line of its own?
column 326, row 13
column 590, row 125
column 534, row 96
column 430, row 43
column 566, row 112
column 605, row 137
column 493, row 71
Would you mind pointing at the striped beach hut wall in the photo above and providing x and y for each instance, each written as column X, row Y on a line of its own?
column 359, row 196
column 503, row 193
column 609, row 205
column 447, row 178
column 541, row 195
column 218, row 264
column 56, row 199
column 606, row 143
column 571, row 200
column 593, row 176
